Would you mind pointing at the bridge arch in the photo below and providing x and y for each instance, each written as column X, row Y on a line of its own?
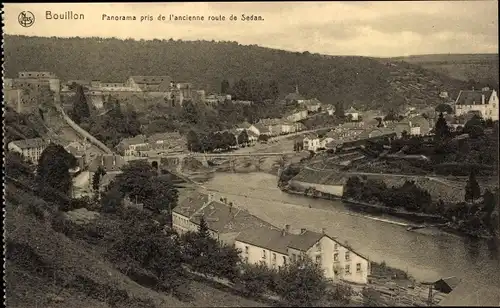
column 155, row 164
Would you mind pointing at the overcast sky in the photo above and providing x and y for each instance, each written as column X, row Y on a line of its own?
column 385, row 29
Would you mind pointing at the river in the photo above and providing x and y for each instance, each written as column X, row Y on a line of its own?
column 426, row 255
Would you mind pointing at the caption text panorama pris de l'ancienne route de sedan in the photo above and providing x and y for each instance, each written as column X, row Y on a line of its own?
column 70, row 15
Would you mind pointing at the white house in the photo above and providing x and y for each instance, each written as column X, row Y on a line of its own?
column 297, row 115
column 277, row 248
column 312, row 105
column 484, row 101
column 311, row 142
column 353, row 113
column 30, row 149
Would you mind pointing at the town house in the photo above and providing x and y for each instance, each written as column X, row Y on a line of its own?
column 484, row 101
column 30, row 149
column 224, row 221
column 133, row 146
column 277, row 248
column 297, row 115
column 312, row 105
column 352, row 113
column 311, row 142
column 110, row 163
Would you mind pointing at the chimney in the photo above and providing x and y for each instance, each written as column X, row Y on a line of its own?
column 323, row 231
column 302, row 231
column 482, row 99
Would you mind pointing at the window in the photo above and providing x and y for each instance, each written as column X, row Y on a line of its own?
column 246, row 249
column 284, row 260
column 336, row 257
column 318, row 259
column 336, row 246
column 347, row 256
column 274, row 258
column 263, row 254
column 347, row 269
column 318, row 246
column 358, row 267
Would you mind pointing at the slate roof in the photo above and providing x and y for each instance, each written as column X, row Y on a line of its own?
column 473, row 294
column 294, row 96
column 274, row 239
column 106, row 161
column 311, row 136
column 469, row 97
column 351, row 110
column 188, row 205
column 30, row 143
column 126, row 142
column 244, row 125
column 150, row 80
column 452, row 282
column 170, row 136
column 313, row 102
column 270, row 239
column 262, row 129
column 305, row 240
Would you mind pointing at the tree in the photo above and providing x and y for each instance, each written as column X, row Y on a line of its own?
column 302, row 283
column 444, row 108
column 243, row 137
column 391, row 116
column 404, row 134
column 193, row 141
column 190, row 113
column 441, row 128
column 241, row 90
column 224, row 87
column 164, row 195
column 203, row 231
column 256, row 278
column 489, row 201
column 274, row 91
column 96, row 179
column 472, row 189
column 53, row 169
column 339, row 110
column 135, row 182
column 81, row 109
column 111, row 201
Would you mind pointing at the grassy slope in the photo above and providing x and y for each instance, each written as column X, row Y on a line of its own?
column 79, row 265
column 360, row 81
column 480, row 67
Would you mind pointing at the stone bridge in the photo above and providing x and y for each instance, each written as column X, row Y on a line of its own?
column 174, row 162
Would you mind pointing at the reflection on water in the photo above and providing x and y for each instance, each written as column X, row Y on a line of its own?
column 427, row 255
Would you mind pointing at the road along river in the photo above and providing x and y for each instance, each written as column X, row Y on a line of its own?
column 427, row 255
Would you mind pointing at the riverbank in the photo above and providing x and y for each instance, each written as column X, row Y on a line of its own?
column 440, row 222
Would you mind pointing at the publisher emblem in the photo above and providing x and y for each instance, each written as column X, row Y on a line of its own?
column 26, row 19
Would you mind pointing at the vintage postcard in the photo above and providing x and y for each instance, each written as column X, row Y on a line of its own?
column 251, row 154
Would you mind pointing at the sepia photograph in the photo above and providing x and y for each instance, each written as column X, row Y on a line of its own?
column 251, row 154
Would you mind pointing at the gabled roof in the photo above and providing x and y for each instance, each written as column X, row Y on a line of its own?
column 472, row 294
column 294, row 96
column 163, row 136
column 190, row 204
column 244, row 125
column 110, row 163
column 272, row 239
column 469, row 97
column 251, row 134
column 313, row 102
column 351, row 110
column 139, row 139
column 305, row 240
column 262, row 129
column 151, row 80
column 30, row 143
column 310, row 136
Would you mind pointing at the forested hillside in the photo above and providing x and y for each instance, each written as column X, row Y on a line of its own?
column 481, row 68
column 358, row 81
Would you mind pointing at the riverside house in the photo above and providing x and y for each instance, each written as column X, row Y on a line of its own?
column 30, row 149
column 277, row 248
